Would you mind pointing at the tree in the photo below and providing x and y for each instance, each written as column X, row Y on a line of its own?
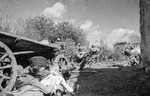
column 5, row 25
column 39, row 28
column 66, row 30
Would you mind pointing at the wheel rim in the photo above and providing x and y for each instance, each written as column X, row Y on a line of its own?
column 8, row 67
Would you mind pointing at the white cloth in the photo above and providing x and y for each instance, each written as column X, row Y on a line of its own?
column 55, row 79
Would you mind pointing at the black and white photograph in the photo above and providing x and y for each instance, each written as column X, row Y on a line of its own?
column 74, row 47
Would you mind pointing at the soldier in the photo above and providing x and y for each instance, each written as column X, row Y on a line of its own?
column 29, row 84
column 81, row 58
column 61, row 43
column 95, row 48
column 94, row 52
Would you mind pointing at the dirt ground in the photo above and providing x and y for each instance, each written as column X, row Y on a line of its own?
column 102, row 81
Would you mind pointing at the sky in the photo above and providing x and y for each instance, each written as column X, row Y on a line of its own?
column 111, row 20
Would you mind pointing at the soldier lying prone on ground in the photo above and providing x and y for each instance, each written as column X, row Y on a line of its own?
column 28, row 84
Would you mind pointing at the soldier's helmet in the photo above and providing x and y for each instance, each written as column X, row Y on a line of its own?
column 58, row 39
column 39, row 61
column 79, row 44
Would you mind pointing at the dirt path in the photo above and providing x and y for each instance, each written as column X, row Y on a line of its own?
column 110, row 82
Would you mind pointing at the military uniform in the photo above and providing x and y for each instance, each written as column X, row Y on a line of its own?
column 28, row 85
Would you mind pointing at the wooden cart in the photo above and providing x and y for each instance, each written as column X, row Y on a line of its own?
column 16, row 50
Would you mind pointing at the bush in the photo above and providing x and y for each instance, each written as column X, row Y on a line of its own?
column 70, row 48
column 6, row 25
column 66, row 30
column 39, row 28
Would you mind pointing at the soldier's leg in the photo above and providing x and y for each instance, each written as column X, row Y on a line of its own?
column 82, row 64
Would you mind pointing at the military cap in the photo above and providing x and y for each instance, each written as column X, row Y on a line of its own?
column 39, row 61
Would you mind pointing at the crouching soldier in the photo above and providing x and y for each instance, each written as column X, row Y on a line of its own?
column 81, row 58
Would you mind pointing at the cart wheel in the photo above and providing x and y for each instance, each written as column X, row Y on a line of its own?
column 8, row 67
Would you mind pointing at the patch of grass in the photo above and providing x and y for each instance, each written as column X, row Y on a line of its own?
column 113, row 82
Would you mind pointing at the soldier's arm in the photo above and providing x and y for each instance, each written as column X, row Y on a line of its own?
column 43, row 88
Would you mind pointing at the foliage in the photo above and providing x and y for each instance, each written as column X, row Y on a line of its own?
column 39, row 28
column 13, row 26
column 5, row 25
column 66, row 30
column 70, row 48
column 104, row 52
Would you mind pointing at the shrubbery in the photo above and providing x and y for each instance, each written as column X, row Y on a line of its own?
column 40, row 28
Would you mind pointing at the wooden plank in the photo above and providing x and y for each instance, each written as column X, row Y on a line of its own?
column 18, row 43
column 24, row 52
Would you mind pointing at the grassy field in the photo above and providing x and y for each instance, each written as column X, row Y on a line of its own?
column 127, row 81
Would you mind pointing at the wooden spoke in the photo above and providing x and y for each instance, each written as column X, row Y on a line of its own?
column 4, row 62
column 6, row 77
column 1, row 88
column 4, row 56
column 7, row 66
column 1, row 80
column 1, row 52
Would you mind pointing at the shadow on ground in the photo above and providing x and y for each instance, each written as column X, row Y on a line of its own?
column 127, row 81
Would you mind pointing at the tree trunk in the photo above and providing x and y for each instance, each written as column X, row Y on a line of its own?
column 145, row 33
